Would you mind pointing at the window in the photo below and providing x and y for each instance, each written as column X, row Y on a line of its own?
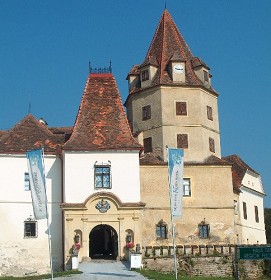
column 26, row 182
column 181, row 108
column 161, row 230
column 147, row 142
column 204, row 230
column 209, row 113
column 206, row 76
column 245, row 210
column 30, row 228
column 256, row 214
column 146, row 112
column 186, row 187
column 144, row 75
column 102, row 176
column 211, row 145
column 182, row 141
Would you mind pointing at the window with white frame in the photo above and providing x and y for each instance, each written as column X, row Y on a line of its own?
column 102, row 176
column 26, row 181
column 186, row 187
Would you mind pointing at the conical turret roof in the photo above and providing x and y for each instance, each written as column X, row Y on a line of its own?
column 169, row 45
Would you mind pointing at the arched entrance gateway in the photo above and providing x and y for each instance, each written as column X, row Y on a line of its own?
column 103, row 242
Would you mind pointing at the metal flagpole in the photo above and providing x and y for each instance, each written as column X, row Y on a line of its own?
column 172, row 224
column 48, row 225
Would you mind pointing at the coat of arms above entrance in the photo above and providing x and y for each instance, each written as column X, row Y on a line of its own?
column 102, row 206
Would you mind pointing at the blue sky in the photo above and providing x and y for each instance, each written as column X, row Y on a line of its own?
column 46, row 46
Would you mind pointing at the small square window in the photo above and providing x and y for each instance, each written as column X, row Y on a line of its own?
column 182, row 141
column 30, row 228
column 26, row 181
column 181, row 108
column 146, row 112
column 209, row 113
column 147, row 142
column 102, row 177
column 204, row 231
column 186, row 187
column 144, row 75
column 161, row 230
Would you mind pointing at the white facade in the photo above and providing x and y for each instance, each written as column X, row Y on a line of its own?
column 251, row 210
column 23, row 255
column 79, row 175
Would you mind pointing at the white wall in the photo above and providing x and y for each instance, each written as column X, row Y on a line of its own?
column 252, row 232
column 25, row 255
column 79, row 174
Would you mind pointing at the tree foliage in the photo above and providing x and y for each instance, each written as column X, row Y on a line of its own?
column 267, row 219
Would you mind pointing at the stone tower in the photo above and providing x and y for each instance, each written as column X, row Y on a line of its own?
column 171, row 101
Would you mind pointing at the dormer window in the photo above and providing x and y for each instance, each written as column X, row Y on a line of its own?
column 145, row 75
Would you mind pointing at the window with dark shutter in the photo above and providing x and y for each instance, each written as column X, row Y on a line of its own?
column 245, row 210
column 212, row 145
column 182, row 141
column 256, row 214
column 209, row 113
column 147, row 142
column 181, row 108
column 146, row 112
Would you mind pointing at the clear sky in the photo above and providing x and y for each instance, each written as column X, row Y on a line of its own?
column 45, row 47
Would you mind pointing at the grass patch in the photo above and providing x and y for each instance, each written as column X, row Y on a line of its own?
column 155, row 275
column 43, row 276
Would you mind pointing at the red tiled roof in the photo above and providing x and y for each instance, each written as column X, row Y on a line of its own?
column 101, row 122
column 30, row 134
column 168, row 44
column 239, row 169
column 2, row 132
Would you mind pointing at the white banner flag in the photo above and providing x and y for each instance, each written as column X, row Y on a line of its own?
column 175, row 168
column 37, row 183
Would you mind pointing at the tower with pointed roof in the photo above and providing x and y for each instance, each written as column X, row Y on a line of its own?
column 171, row 101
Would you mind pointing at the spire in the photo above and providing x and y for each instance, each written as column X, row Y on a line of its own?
column 101, row 122
column 167, row 45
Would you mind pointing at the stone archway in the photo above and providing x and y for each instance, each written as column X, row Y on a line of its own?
column 103, row 242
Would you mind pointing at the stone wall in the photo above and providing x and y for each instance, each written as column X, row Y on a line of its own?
column 201, row 260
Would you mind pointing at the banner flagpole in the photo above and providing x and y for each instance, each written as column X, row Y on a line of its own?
column 175, row 180
column 36, row 168
column 48, row 224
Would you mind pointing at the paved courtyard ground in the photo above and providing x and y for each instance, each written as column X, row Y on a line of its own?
column 103, row 270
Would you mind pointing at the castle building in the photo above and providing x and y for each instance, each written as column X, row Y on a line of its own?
column 107, row 176
column 172, row 103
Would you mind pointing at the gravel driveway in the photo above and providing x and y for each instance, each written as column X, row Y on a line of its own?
column 103, row 270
